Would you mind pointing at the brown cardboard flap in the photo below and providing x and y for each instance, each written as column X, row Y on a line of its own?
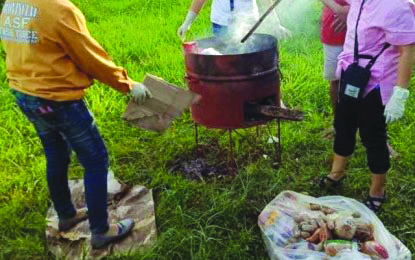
column 157, row 113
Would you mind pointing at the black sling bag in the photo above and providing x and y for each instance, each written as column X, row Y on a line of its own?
column 355, row 79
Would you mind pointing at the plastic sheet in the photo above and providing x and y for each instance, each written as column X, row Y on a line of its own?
column 124, row 202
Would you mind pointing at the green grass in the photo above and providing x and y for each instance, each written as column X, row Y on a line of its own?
column 211, row 220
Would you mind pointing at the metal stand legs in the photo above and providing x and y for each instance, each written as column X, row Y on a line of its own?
column 231, row 153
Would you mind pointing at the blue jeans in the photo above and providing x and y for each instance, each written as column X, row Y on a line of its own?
column 219, row 30
column 62, row 126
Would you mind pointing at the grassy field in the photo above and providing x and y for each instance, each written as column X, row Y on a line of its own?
column 215, row 219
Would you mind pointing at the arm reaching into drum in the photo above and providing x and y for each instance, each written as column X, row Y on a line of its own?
column 191, row 16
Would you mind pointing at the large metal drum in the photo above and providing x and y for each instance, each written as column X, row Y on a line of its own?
column 228, row 83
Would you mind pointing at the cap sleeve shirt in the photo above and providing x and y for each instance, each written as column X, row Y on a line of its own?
column 381, row 22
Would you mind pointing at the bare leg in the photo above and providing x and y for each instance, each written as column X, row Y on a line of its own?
column 378, row 185
column 338, row 167
column 334, row 85
column 377, row 193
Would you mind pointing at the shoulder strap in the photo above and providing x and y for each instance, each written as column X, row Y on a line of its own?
column 356, row 42
column 358, row 56
column 364, row 56
column 373, row 60
column 232, row 2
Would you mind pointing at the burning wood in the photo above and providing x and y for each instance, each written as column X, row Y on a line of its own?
column 278, row 112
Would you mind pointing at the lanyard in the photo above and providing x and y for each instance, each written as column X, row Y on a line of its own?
column 356, row 45
column 232, row 2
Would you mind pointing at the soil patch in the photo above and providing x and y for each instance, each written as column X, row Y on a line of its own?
column 199, row 169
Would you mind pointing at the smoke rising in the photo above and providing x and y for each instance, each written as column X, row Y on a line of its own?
column 296, row 15
column 291, row 14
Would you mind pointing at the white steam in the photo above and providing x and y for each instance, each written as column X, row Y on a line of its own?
column 290, row 14
column 296, row 14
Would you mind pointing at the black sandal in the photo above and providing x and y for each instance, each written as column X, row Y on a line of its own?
column 326, row 182
column 370, row 202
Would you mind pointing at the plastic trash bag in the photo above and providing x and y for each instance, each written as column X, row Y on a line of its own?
column 278, row 225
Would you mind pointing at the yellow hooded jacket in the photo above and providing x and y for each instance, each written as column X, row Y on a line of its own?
column 50, row 52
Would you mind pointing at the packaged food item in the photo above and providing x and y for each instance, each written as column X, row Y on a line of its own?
column 308, row 227
column 364, row 232
column 333, row 247
column 305, row 235
column 315, row 238
column 373, row 248
column 327, row 210
column 315, row 206
column 325, row 234
column 344, row 227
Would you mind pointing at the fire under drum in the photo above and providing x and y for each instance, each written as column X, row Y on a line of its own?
column 239, row 84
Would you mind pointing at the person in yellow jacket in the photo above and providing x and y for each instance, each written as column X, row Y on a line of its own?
column 51, row 59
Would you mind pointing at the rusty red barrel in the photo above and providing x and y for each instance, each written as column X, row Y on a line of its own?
column 227, row 83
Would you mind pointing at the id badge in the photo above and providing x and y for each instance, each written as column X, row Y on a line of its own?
column 352, row 91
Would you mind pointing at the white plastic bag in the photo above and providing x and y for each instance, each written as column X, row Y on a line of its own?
column 277, row 224
column 114, row 186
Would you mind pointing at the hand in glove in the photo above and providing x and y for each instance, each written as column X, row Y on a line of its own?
column 395, row 107
column 181, row 32
column 140, row 93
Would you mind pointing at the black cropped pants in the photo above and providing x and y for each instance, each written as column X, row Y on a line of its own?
column 365, row 115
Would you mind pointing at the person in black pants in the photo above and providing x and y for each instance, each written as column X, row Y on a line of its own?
column 376, row 66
